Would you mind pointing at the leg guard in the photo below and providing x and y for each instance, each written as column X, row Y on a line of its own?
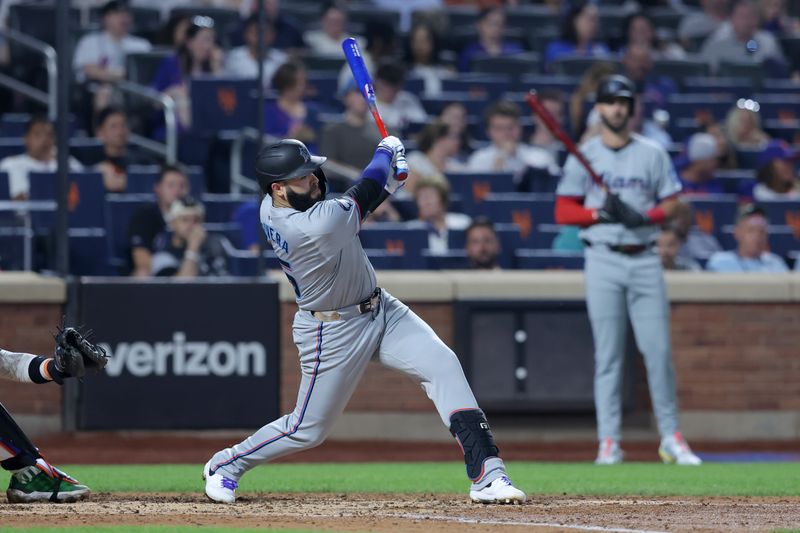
column 471, row 430
column 16, row 443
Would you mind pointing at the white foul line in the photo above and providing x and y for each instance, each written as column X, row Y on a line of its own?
column 466, row 520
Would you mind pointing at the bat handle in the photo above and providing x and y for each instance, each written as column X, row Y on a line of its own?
column 401, row 168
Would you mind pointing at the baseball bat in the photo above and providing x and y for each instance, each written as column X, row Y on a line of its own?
column 559, row 133
column 364, row 81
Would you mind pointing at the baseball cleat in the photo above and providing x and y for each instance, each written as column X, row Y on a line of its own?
column 674, row 450
column 218, row 487
column 498, row 491
column 43, row 482
column 609, row 453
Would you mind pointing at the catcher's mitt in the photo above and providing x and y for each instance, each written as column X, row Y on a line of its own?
column 74, row 354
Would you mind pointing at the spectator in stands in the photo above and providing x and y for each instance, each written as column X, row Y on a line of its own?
column 289, row 116
column 637, row 63
column 775, row 18
column 777, row 173
column 40, row 156
column 638, row 30
column 349, row 141
column 739, row 40
column 553, row 101
column 150, row 220
column 422, row 57
column 752, row 252
column 697, row 177
column 243, row 60
column 100, row 56
column 288, row 32
column 327, row 40
column 173, row 34
column 506, row 152
column 647, row 126
column 197, row 55
column 381, row 46
column 579, row 35
column 454, row 115
column 743, row 127
column 585, row 92
column 188, row 250
column 697, row 243
column 398, row 107
column 482, row 245
column 437, row 147
column 111, row 128
column 491, row 25
column 432, row 199
column 697, row 25
column 726, row 155
column 669, row 245
column 408, row 7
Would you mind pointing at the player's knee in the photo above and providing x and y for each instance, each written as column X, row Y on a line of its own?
column 471, row 429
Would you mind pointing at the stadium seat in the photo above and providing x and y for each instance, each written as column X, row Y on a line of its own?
column 665, row 17
column 511, row 65
column 389, row 260
column 85, row 199
column 141, row 67
column 142, row 178
column 781, row 212
column 526, row 210
column 779, row 106
column 4, row 191
column 525, row 17
column 12, row 248
column 245, row 262
column 364, row 14
column 782, row 239
column 323, row 87
column 680, row 69
column 738, row 87
column 220, row 207
column 479, row 85
column 14, row 124
column 786, row 129
column 11, row 146
column 747, row 158
column 567, row 84
column 474, row 105
column 578, row 65
column 145, row 21
column 742, row 69
column 88, row 252
column 701, row 107
column 324, row 64
column 474, row 187
column 452, row 260
column 713, row 212
column 119, row 208
column 37, row 20
column 396, row 237
column 222, row 104
column 548, row 260
column 778, row 85
column 735, row 181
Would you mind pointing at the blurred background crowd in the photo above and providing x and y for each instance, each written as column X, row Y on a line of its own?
column 162, row 129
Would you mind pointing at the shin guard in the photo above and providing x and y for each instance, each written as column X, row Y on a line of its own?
column 471, row 430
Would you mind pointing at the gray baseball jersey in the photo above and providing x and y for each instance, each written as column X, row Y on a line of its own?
column 640, row 172
column 320, row 253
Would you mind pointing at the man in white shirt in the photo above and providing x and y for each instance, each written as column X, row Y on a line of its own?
column 507, row 153
column 39, row 156
column 398, row 107
column 740, row 39
column 327, row 40
column 752, row 253
column 100, row 56
column 241, row 61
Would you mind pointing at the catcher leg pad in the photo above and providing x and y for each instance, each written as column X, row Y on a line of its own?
column 471, row 430
column 14, row 441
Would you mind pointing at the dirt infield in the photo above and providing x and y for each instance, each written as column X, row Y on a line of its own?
column 417, row 513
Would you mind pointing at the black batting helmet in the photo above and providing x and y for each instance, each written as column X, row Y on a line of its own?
column 286, row 160
column 616, row 86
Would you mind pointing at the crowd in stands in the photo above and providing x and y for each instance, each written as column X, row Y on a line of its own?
column 449, row 78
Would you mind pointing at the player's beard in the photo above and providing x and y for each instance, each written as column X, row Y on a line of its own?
column 302, row 202
column 617, row 130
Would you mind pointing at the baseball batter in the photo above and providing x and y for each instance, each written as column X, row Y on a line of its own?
column 623, row 272
column 34, row 479
column 344, row 320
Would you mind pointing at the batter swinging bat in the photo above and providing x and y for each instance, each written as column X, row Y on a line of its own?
column 559, row 133
column 356, row 62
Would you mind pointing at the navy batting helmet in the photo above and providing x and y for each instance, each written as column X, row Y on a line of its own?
column 286, row 160
column 615, row 86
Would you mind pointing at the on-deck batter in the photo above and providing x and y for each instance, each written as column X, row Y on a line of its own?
column 344, row 321
column 623, row 272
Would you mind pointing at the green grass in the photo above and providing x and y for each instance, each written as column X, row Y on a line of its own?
column 643, row 479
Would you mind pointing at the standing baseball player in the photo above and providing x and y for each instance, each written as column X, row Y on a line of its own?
column 623, row 273
column 33, row 479
column 344, row 321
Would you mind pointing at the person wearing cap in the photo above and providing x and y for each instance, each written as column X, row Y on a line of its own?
column 188, row 250
column 242, row 60
column 100, row 56
column 752, row 252
column 697, row 177
column 777, row 173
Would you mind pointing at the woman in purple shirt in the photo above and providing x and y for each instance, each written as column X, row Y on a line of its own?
column 491, row 24
column 578, row 36
column 289, row 116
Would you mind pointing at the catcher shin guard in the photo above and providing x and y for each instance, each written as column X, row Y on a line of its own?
column 14, row 442
column 471, row 430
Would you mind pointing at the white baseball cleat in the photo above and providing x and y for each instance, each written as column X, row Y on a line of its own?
column 218, row 487
column 609, row 453
column 501, row 490
column 674, row 450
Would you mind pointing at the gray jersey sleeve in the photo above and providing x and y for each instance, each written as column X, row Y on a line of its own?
column 575, row 180
column 668, row 183
column 332, row 224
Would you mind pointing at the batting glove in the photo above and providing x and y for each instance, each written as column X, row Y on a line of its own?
column 394, row 147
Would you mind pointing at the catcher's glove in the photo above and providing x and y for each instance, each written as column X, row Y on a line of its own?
column 74, row 354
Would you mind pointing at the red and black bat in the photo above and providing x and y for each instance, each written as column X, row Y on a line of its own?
column 559, row 133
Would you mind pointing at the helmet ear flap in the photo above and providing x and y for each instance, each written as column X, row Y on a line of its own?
column 323, row 181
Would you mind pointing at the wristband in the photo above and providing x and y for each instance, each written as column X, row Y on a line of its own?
column 191, row 255
column 656, row 215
